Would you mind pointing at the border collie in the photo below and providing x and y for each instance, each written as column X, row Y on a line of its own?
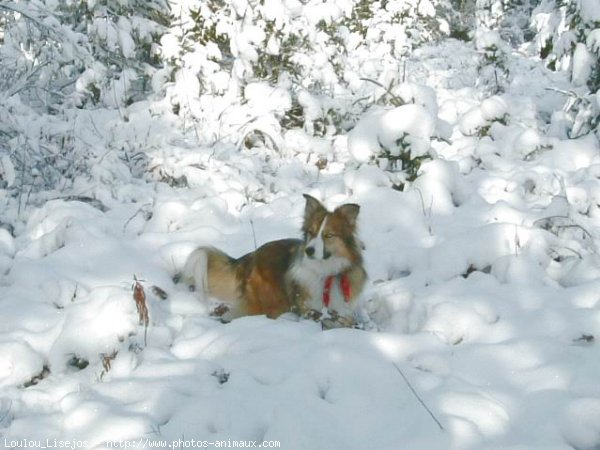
column 322, row 272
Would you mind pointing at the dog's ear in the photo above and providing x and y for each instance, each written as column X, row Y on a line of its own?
column 313, row 213
column 349, row 211
column 312, row 206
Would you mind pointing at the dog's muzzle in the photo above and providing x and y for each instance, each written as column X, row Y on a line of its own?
column 310, row 252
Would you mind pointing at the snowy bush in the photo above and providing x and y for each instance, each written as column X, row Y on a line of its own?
column 399, row 139
column 478, row 120
column 57, row 58
column 568, row 38
column 76, row 52
column 312, row 50
column 511, row 18
column 123, row 38
column 493, row 70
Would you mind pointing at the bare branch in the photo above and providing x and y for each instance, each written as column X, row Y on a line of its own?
column 396, row 99
column 439, row 424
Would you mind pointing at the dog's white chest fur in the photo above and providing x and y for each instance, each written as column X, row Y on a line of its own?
column 310, row 274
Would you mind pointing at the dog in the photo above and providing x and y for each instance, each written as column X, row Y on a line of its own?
column 323, row 272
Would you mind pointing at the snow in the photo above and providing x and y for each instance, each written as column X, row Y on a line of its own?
column 488, row 39
column 593, row 41
column 581, row 419
column 590, row 11
column 582, row 65
column 383, row 130
column 7, row 171
column 480, row 319
column 477, row 118
column 263, row 98
column 19, row 363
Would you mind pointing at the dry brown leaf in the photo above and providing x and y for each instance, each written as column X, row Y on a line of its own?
column 107, row 360
column 140, row 302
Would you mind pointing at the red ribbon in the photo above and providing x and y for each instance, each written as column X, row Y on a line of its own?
column 345, row 287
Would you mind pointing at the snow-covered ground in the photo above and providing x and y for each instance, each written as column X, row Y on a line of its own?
column 483, row 300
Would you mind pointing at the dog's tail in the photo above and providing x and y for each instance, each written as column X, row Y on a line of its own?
column 213, row 273
column 195, row 271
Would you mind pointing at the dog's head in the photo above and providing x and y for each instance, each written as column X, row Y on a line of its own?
column 330, row 236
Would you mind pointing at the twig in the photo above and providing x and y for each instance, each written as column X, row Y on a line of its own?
column 571, row 225
column 361, row 99
column 560, row 91
column 579, row 227
column 397, row 99
column 25, row 14
column 418, row 397
column 135, row 215
column 575, row 252
column 426, row 215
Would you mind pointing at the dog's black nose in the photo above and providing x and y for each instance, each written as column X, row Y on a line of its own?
column 310, row 251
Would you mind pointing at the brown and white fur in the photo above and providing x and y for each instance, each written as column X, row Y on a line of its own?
column 288, row 274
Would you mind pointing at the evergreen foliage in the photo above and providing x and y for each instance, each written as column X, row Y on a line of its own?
column 208, row 63
column 568, row 38
column 60, row 56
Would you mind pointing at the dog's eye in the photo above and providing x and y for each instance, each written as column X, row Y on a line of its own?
column 328, row 235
